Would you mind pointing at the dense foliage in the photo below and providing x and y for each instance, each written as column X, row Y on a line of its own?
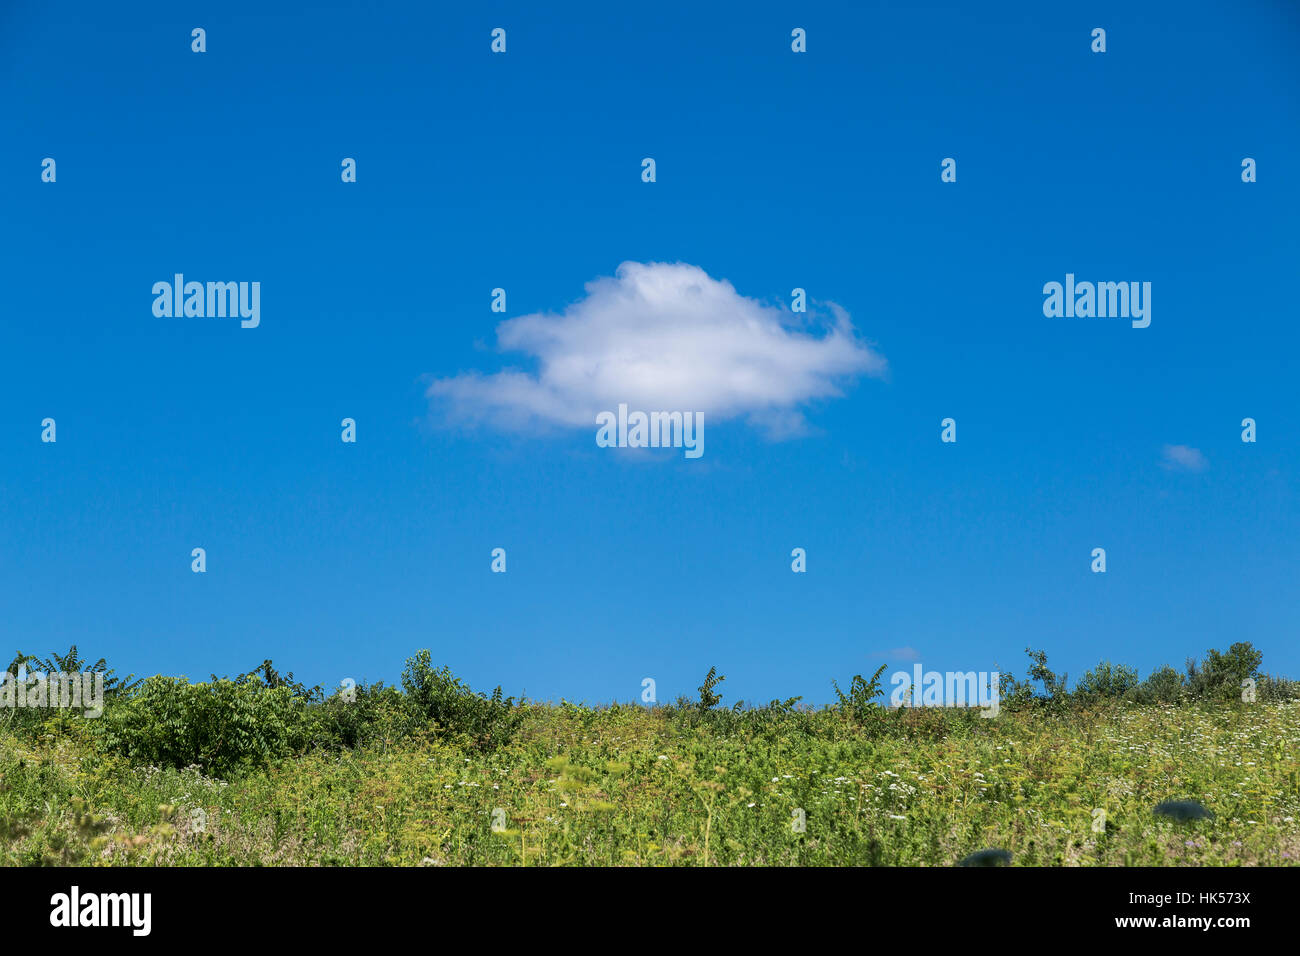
column 261, row 769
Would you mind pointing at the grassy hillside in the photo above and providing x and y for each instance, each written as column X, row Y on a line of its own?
column 675, row 785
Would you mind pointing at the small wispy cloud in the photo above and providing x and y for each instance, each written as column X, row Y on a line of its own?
column 1183, row 458
column 663, row 336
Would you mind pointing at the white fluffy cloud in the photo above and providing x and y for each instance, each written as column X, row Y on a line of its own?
column 1183, row 458
column 662, row 337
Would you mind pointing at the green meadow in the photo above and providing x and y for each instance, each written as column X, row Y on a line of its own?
column 259, row 770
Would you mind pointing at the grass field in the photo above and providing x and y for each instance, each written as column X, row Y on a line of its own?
column 628, row 785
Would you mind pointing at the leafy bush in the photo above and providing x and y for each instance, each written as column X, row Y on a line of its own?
column 773, row 721
column 708, row 699
column 1012, row 692
column 438, row 696
column 223, row 726
column 366, row 716
column 73, row 663
column 1221, row 676
column 1162, row 686
column 923, row 723
column 859, row 704
column 1275, row 689
column 1054, row 685
column 1017, row 694
column 1106, row 682
column 34, row 721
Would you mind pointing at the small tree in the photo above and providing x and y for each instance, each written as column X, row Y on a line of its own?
column 708, row 699
column 859, row 704
column 1221, row 675
column 1106, row 682
column 436, row 695
column 1054, row 684
column 73, row 663
column 1162, row 686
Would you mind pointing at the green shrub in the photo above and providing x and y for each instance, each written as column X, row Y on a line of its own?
column 1272, row 688
column 708, row 698
column 773, row 721
column 1054, row 685
column 1106, row 682
column 437, row 696
column 223, row 726
column 1221, row 675
column 1162, row 686
column 31, row 722
column 859, row 704
column 367, row 715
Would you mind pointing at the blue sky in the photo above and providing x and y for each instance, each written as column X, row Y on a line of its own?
column 775, row 170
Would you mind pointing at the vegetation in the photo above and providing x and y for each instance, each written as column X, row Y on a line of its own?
column 1179, row 768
